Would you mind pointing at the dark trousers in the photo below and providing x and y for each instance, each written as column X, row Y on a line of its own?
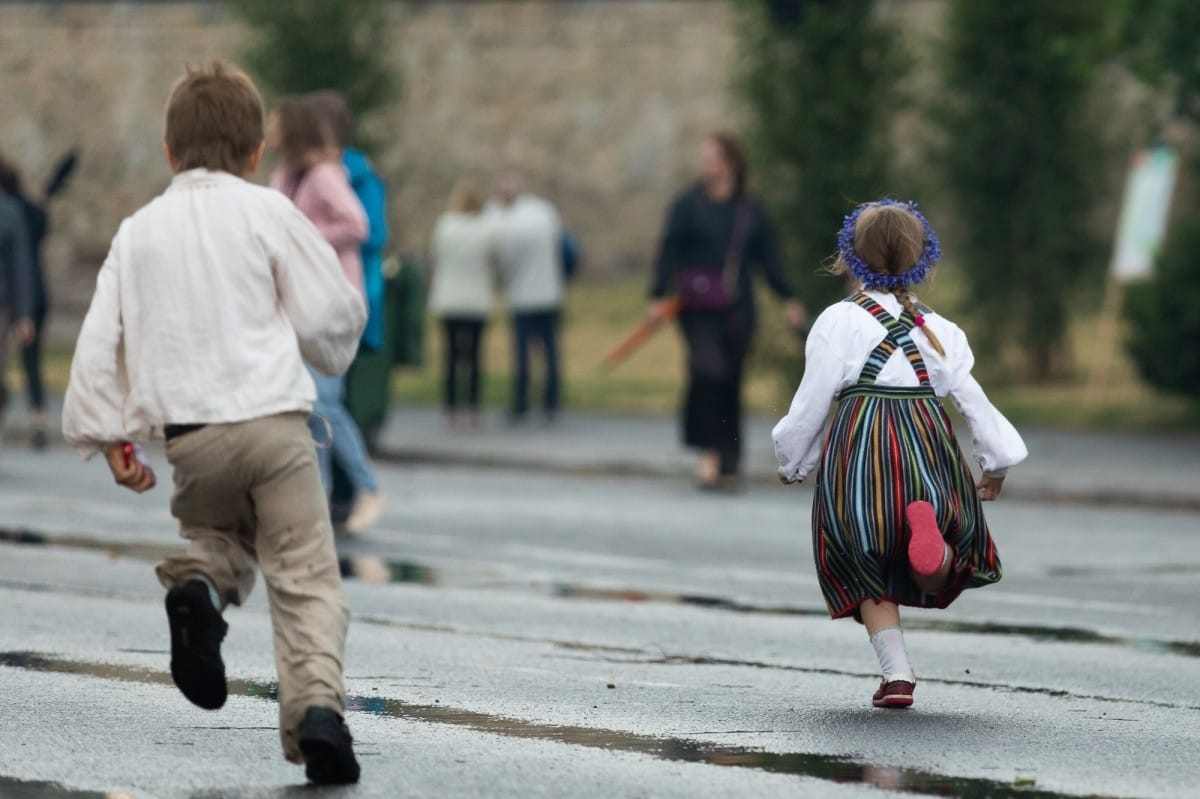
column 31, row 363
column 529, row 329
column 463, row 360
column 717, row 346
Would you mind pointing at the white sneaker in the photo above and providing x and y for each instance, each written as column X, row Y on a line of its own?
column 368, row 507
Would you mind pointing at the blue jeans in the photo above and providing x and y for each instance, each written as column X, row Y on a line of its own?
column 540, row 327
column 347, row 442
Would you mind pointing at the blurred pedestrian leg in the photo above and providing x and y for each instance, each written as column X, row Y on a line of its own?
column 717, row 344
column 539, row 328
column 337, row 437
column 463, row 364
column 31, row 364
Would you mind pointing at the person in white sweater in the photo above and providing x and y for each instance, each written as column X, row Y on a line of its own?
column 211, row 300
column 897, row 518
column 529, row 244
column 463, row 253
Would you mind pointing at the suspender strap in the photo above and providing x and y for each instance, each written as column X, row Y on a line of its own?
column 898, row 337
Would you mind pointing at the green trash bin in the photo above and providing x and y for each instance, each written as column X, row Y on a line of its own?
column 408, row 320
column 368, row 383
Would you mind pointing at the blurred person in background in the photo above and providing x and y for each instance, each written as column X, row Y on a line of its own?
column 714, row 232
column 335, row 113
column 529, row 235
column 313, row 176
column 36, row 226
column 463, row 252
column 17, row 293
column 368, row 187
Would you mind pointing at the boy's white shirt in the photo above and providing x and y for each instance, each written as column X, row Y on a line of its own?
column 839, row 343
column 211, row 299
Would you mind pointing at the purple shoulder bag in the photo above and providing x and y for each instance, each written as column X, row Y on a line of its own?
column 715, row 288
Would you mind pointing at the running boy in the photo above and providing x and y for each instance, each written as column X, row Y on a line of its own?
column 896, row 518
column 210, row 300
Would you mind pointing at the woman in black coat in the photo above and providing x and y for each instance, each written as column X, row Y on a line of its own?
column 716, row 238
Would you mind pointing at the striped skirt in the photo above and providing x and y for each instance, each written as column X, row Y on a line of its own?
column 888, row 447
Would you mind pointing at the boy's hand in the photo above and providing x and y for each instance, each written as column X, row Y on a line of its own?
column 989, row 488
column 127, row 470
column 787, row 481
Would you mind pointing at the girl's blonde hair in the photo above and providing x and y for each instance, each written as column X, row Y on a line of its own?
column 890, row 239
column 466, row 198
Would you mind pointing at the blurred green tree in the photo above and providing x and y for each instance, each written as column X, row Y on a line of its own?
column 1164, row 312
column 1021, row 161
column 304, row 45
column 818, row 80
column 1160, row 45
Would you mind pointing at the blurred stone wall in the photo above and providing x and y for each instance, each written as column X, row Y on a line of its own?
column 599, row 104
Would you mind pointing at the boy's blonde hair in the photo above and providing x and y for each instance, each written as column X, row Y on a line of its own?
column 890, row 239
column 214, row 119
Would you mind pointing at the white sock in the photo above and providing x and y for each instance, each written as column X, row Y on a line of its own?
column 213, row 593
column 893, row 657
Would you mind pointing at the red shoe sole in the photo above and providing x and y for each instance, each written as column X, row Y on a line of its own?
column 900, row 701
column 926, row 548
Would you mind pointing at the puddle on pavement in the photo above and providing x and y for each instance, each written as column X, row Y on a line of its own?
column 575, row 591
column 832, row 768
column 11, row 788
column 127, row 549
column 377, row 571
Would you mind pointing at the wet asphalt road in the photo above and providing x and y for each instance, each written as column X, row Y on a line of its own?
column 531, row 635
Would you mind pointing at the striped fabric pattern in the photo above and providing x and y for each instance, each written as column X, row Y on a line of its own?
column 888, row 447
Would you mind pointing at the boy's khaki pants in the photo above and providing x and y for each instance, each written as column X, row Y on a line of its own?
column 250, row 492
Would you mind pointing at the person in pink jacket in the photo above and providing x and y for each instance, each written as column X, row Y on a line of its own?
column 312, row 175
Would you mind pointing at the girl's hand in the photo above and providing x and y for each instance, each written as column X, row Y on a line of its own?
column 128, row 470
column 787, row 481
column 989, row 488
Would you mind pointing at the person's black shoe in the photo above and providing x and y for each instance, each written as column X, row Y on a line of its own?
column 327, row 747
column 197, row 630
column 39, row 439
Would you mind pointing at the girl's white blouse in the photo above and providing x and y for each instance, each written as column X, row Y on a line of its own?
column 841, row 340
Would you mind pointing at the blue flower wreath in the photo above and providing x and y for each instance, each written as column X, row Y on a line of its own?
column 930, row 253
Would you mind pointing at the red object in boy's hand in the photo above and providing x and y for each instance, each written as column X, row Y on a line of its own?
column 130, row 468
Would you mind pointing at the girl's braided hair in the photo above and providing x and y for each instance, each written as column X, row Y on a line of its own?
column 889, row 246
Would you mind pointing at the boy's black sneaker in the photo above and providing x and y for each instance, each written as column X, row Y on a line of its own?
column 197, row 630
column 327, row 747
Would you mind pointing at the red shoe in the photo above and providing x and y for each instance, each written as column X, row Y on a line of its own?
column 926, row 547
column 897, row 693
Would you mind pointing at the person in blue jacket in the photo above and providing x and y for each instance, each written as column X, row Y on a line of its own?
column 331, row 106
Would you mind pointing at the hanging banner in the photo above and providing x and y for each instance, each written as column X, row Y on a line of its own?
column 1144, row 210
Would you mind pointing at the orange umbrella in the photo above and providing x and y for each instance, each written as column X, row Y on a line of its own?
column 641, row 334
